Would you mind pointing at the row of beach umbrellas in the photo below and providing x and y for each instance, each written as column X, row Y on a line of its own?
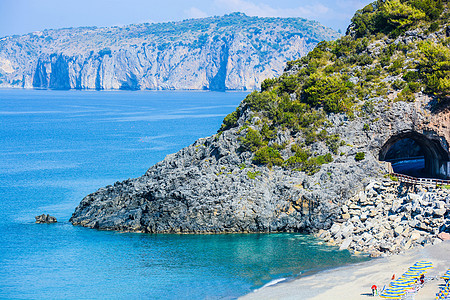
column 444, row 292
column 399, row 287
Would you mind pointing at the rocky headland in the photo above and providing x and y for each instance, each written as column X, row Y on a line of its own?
column 232, row 52
column 308, row 153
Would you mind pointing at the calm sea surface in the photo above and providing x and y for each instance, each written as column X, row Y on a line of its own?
column 58, row 146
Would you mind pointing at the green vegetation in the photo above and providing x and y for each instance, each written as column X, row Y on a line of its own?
column 280, row 112
column 391, row 177
column 268, row 156
column 252, row 140
column 360, row 156
column 435, row 68
column 230, row 120
column 395, row 16
column 252, row 175
column 347, row 76
column 330, row 92
column 302, row 161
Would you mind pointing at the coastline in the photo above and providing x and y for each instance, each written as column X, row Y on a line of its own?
column 354, row 281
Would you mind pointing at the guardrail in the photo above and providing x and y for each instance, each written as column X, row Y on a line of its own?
column 415, row 180
column 422, row 181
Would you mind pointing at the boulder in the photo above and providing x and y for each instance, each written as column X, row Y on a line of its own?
column 415, row 235
column 362, row 197
column 396, row 205
column 335, row 229
column 444, row 236
column 373, row 213
column 363, row 217
column 354, row 206
column 346, row 216
column 414, row 197
column 45, row 219
column 398, row 230
column 345, row 244
column 386, row 247
column 355, row 219
column 439, row 211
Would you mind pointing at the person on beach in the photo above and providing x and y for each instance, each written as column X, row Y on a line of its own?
column 374, row 290
column 393, row 277
column 422, row 279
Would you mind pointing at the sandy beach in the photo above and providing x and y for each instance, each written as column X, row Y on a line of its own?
column 355, row 281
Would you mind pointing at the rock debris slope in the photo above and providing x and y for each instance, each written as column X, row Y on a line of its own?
column 304, row 153
column 233, row 52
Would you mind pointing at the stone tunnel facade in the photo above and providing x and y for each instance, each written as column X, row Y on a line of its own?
column 435, row 149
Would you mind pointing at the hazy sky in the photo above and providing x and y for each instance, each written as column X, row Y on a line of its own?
column 24, row 16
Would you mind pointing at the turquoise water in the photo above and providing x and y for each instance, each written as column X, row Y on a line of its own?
column 58, row 146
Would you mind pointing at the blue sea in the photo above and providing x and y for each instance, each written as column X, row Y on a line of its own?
column 58, row 146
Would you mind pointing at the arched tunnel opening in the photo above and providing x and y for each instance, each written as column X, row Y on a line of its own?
column 407, row 157
column 414, row 154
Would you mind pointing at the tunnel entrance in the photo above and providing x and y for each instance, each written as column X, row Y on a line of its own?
column 414, row 154
column 407, row 157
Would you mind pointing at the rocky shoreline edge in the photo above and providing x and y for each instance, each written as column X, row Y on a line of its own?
column 388, row 217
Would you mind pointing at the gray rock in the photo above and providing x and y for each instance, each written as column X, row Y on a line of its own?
column 344, row 209
column 347, row 229
column 398, row 230
column 440, row 204
column 335, row 229
column 386, row 247
column 345, row 244
column 45, row 219
column 439, row 211
column 355, row 219
column 363, row 217
column 414, row 197
column 396, row 205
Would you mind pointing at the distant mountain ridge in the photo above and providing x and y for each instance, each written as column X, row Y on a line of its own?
column 231, row 52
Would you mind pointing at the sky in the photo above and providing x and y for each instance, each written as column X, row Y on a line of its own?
column 24, row 16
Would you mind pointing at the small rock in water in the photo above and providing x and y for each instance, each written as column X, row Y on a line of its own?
column 45, row 219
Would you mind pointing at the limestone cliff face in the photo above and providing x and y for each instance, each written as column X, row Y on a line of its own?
column 233, row 52
column 440, row 123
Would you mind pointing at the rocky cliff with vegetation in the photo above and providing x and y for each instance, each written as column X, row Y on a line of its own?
column 233, row 52
column 304, row 153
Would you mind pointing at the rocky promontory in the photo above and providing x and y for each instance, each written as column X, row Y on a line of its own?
column 313, row 151
column 232, row 52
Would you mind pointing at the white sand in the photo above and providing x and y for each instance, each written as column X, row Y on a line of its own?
column 355, row 281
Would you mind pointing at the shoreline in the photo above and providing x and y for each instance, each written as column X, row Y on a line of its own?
column 354, row 281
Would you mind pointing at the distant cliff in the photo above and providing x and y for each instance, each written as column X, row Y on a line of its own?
column 232, row 52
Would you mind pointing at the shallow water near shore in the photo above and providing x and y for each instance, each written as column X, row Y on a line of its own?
column 58, row 146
